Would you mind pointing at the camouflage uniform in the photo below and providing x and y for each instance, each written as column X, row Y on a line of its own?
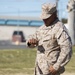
column 54, row 48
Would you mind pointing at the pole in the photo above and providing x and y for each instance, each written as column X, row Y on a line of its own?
column 18, row 21
column 57, row 7
column 74, row 21
column 71, row 19
column 57, row 3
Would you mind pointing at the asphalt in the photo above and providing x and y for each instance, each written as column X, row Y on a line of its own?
column 7, row 44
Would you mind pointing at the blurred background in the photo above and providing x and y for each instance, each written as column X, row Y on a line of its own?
column 22, row 18
column 18, row 20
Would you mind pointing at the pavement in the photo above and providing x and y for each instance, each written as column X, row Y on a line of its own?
column 7, row 44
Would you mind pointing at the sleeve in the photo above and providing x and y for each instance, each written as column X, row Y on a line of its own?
column 64, row 41
column 35, row 36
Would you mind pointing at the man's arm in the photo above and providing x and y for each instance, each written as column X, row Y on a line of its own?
column 64, row 41
column 32, row 40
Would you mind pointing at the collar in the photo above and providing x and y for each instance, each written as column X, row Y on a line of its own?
column 52, row 25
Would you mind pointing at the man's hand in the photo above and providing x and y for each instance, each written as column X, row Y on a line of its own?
column 32, row 42
column 52, row 70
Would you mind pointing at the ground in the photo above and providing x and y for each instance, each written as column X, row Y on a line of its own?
column 32, row 74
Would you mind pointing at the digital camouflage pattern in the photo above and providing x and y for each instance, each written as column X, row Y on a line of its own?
column 54, row 48
column 47, row 10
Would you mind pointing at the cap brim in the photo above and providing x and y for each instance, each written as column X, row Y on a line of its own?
column 45, row 16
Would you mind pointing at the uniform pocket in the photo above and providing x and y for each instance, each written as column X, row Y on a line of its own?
column 43, row 65
column 52, row 57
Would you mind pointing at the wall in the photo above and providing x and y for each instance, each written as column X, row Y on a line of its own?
column 7, row 31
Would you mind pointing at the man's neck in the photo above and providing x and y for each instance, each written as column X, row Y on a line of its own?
column 53, row 20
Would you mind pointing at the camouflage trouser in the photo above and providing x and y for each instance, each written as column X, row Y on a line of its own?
column 42, row 66
column 39, row 72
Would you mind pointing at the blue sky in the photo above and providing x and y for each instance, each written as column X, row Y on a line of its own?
column 29, row 7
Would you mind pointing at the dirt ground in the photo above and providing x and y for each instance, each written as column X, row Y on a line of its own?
column 32, row 74
column 68, row 74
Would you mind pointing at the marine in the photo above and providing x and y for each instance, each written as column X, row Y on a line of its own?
column 54, row 46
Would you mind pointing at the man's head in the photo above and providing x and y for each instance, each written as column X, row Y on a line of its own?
column 49, row 13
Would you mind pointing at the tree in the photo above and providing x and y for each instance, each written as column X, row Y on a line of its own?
column 64, row 20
